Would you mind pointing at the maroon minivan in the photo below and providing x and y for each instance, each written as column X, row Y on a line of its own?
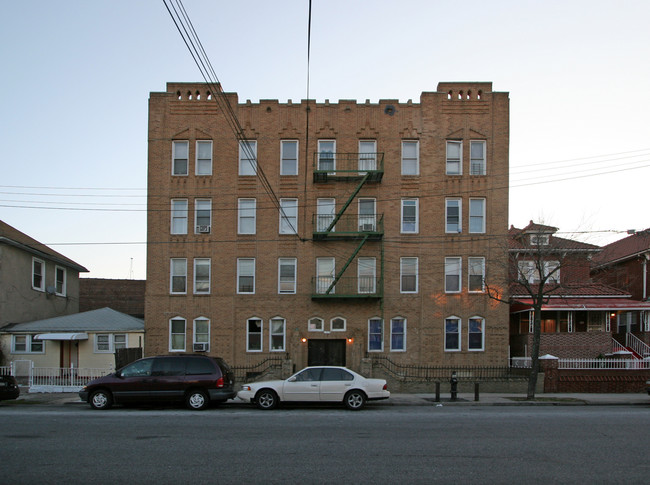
column 195, row 379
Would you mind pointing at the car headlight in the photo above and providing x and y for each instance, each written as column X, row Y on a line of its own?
column 246, row 388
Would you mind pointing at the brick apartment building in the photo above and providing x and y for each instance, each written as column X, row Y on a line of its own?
column 378, row 244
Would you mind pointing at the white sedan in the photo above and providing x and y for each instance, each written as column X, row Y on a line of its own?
column 316, row 384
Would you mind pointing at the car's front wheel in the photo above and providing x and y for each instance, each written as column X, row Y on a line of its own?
column 101, row 399
column 197, row 400
column 266, row 399
column 354, row 400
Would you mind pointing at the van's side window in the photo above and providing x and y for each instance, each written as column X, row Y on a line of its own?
column 139, row 368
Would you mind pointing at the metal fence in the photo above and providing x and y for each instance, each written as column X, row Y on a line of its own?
column 251, row 372
column 602, row 363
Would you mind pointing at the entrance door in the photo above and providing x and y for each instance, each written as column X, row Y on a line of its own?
column 326, row 352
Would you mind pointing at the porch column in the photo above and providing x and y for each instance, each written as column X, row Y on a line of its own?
column 549, row 366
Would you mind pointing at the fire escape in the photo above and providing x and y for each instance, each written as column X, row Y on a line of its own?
column 365, row 228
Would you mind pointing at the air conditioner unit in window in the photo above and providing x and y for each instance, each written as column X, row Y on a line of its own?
column 200, row 347
column 204, row 229
column 369, row 227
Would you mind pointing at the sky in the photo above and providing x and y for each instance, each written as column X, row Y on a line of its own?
column 77, row 77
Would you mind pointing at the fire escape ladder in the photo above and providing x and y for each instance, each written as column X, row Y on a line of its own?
column 340, row 213
column 347, row 263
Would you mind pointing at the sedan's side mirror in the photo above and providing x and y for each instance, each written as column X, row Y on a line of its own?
column 292, row 379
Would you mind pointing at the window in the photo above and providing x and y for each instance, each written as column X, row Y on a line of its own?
column 476, row 274
column 337, row 324
column 38, row 274
column 408, row 275
column 277, row 334
column 202, row 276
column 325, row 211
column 477, row 157
column 177, row 335
column 288, row 216
column 246, row 220
column 26, row 344
column 324, row 274
column 375, row 335
column 254, row 335
column 410, row 158
column 453, row 223
column 327, row 155
column 477, row 215
column 398, row 334
column 528, row 271
column 289, row 157
column 539, row 239
column 180, row 157
column 179, row 216
column 119, row 341
column 367, row 277
column 60, row 282
column 202, row 216
column 204, row 157
column 410, row 211
column 287, row 275
column 246, row 275
column 452, row 275
column 178, row 280
column 108, row 343
column 454, row 157
column 452, row 334
column 202, row 331
column 248, row 157
column 476, row 337
column 315, row 325
column 367, row 215
column 367, row 155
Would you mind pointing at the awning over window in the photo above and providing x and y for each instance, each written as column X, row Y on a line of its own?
column 584, row 304
column 62, row 336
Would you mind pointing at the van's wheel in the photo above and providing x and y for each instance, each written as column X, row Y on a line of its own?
column 266, row 399
column 354, row 400
column 101, row 399
column 197, row 400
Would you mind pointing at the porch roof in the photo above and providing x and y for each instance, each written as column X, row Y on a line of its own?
column 583, row 304
column 62, row 336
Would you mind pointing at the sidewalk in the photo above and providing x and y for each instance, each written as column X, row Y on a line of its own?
column 463, row 399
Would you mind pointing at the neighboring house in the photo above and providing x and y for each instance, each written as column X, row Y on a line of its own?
column 377, row 245
column 580, row 318
column 126, row 296
column 87, row 339
column 36, row 282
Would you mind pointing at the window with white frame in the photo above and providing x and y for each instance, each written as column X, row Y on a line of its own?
column 477, row 157
column 452, row 334
column 325, row 273
column 410, row 157
column 408, row 275
column 316, row 324
column 26, row 344
column 248, row 157
column 202, row 332
column 539, row 239
column 179, row 216
column 246, row 275
column 398, row 334
column 375, row 335
column 367, row 155
column 410, row 216
column 529, row 272
column 246, row 216
column 177, row 334
column 253, row 335
column 453, row 221
column 338, row 324
column 476, row 275
column 288, row 216
column 287, row 275
column 454, row 157
column 452, row 275
column 477, row 215
column 60, row 280
column 178, row 276
column 202, row 216
column 204, row 157
column 327, row 155
column 367, row 215
column 289, row 157
column 180, row 157
column 476, row 333
column 38, row 274
column 277, row 334
column 367, row 275
column 107, row 343
column 202, row 276
column 325, row 213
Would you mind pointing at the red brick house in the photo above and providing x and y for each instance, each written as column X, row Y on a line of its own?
column 580, row 318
